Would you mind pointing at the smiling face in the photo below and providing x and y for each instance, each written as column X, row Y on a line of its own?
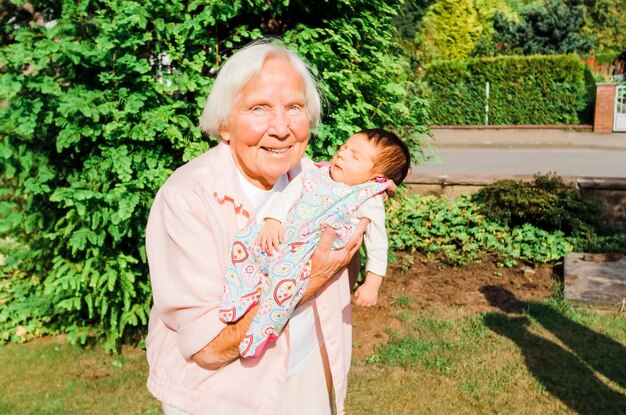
column 354, row 162
column 268, row 129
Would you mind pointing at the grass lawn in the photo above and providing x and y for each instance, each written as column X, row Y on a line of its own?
column 544, row 360
column 50, row 376
column 548, row 358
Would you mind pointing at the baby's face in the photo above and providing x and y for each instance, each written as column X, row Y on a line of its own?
column 353, row 164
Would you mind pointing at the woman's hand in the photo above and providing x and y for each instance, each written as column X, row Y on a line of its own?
column 325, row 262
column 225, row 347
column 391, row 190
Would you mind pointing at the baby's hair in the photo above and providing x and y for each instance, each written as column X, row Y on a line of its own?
column 394, row 159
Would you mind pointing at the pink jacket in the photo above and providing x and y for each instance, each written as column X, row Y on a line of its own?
column 192, row 221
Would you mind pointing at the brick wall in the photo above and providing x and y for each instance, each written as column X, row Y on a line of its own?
column 605, row 108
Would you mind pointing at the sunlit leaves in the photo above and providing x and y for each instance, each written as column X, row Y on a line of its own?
column 456, row 232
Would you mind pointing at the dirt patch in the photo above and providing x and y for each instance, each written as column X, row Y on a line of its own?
column 427, row 283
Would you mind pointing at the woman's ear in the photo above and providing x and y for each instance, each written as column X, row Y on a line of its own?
column 225, row 134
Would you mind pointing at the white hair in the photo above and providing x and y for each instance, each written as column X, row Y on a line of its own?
column 239, row 70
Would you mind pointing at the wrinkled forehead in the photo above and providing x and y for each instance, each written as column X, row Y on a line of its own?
column 277, row 80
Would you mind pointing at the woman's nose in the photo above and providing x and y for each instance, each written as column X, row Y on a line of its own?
column 280, row 124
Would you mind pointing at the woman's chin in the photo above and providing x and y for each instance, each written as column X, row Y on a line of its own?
column 274, row 170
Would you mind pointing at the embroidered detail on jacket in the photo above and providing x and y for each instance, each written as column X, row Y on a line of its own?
column 221, row 199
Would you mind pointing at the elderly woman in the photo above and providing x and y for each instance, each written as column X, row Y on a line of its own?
column 263, row 106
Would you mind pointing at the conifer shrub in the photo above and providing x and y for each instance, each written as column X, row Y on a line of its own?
column 546, row 203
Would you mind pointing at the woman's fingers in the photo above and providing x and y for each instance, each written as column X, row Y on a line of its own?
column 356, row 240
column 325, row 244
column 392, row 188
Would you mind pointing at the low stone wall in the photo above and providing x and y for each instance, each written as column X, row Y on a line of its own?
column 610, row 193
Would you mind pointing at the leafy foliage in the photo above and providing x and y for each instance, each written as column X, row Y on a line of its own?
column 554, row 27
column 523, row 90
column 456, row 231
column 613, row 241
column 487, row 10
column 409, row 17
column 457, row 29
column 365, row 77
column 606, row 20
column 449, row 30
column 546, row 203
column 101, row 101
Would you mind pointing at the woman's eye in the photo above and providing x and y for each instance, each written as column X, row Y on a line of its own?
column 257, row 108
column 294, row 109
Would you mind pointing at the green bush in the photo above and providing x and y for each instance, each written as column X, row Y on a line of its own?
column 540, row 90
column 547, row 27
column 613, row 242
column 99, row 103
column 546, row 203
column 458, row 233
column 448, row 30
column 606, row 57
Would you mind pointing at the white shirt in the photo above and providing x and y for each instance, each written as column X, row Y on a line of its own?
column 303, row 342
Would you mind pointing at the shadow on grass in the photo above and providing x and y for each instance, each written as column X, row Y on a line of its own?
column 566, row 374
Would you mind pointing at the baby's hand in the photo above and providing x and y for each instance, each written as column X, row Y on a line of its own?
column 271, row 236
column 367, row 294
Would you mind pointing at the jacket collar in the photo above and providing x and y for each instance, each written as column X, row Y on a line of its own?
column 228, row 188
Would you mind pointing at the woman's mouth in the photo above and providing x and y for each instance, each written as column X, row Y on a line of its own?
column 276, row 150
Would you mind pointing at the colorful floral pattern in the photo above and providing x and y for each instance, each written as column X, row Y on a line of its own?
column 278, row 281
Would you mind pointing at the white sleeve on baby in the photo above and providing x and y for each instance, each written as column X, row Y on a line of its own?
column 375, row 239
column 285, row 199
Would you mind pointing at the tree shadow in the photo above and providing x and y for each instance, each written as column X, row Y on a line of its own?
column 567, row 375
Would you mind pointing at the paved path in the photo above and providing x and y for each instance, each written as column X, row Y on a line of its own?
column 526, row 152
column 563, row 162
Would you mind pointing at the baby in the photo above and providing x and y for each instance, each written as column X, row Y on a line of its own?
column 270, row 263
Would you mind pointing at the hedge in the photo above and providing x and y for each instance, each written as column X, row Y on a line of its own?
column 542, row 90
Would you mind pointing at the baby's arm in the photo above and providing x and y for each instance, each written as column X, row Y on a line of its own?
column 376, row 247
column 272, row 235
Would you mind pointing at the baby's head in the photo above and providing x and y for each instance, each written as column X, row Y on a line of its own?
column 371, row 154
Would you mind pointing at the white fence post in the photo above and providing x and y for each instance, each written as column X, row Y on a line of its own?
column 487, row 103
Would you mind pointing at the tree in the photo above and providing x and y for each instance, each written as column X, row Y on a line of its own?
column 449, row 30
column 409, row 17
column 556, row 27
column 101, row 103
column 487, row 9
column 606, row 21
